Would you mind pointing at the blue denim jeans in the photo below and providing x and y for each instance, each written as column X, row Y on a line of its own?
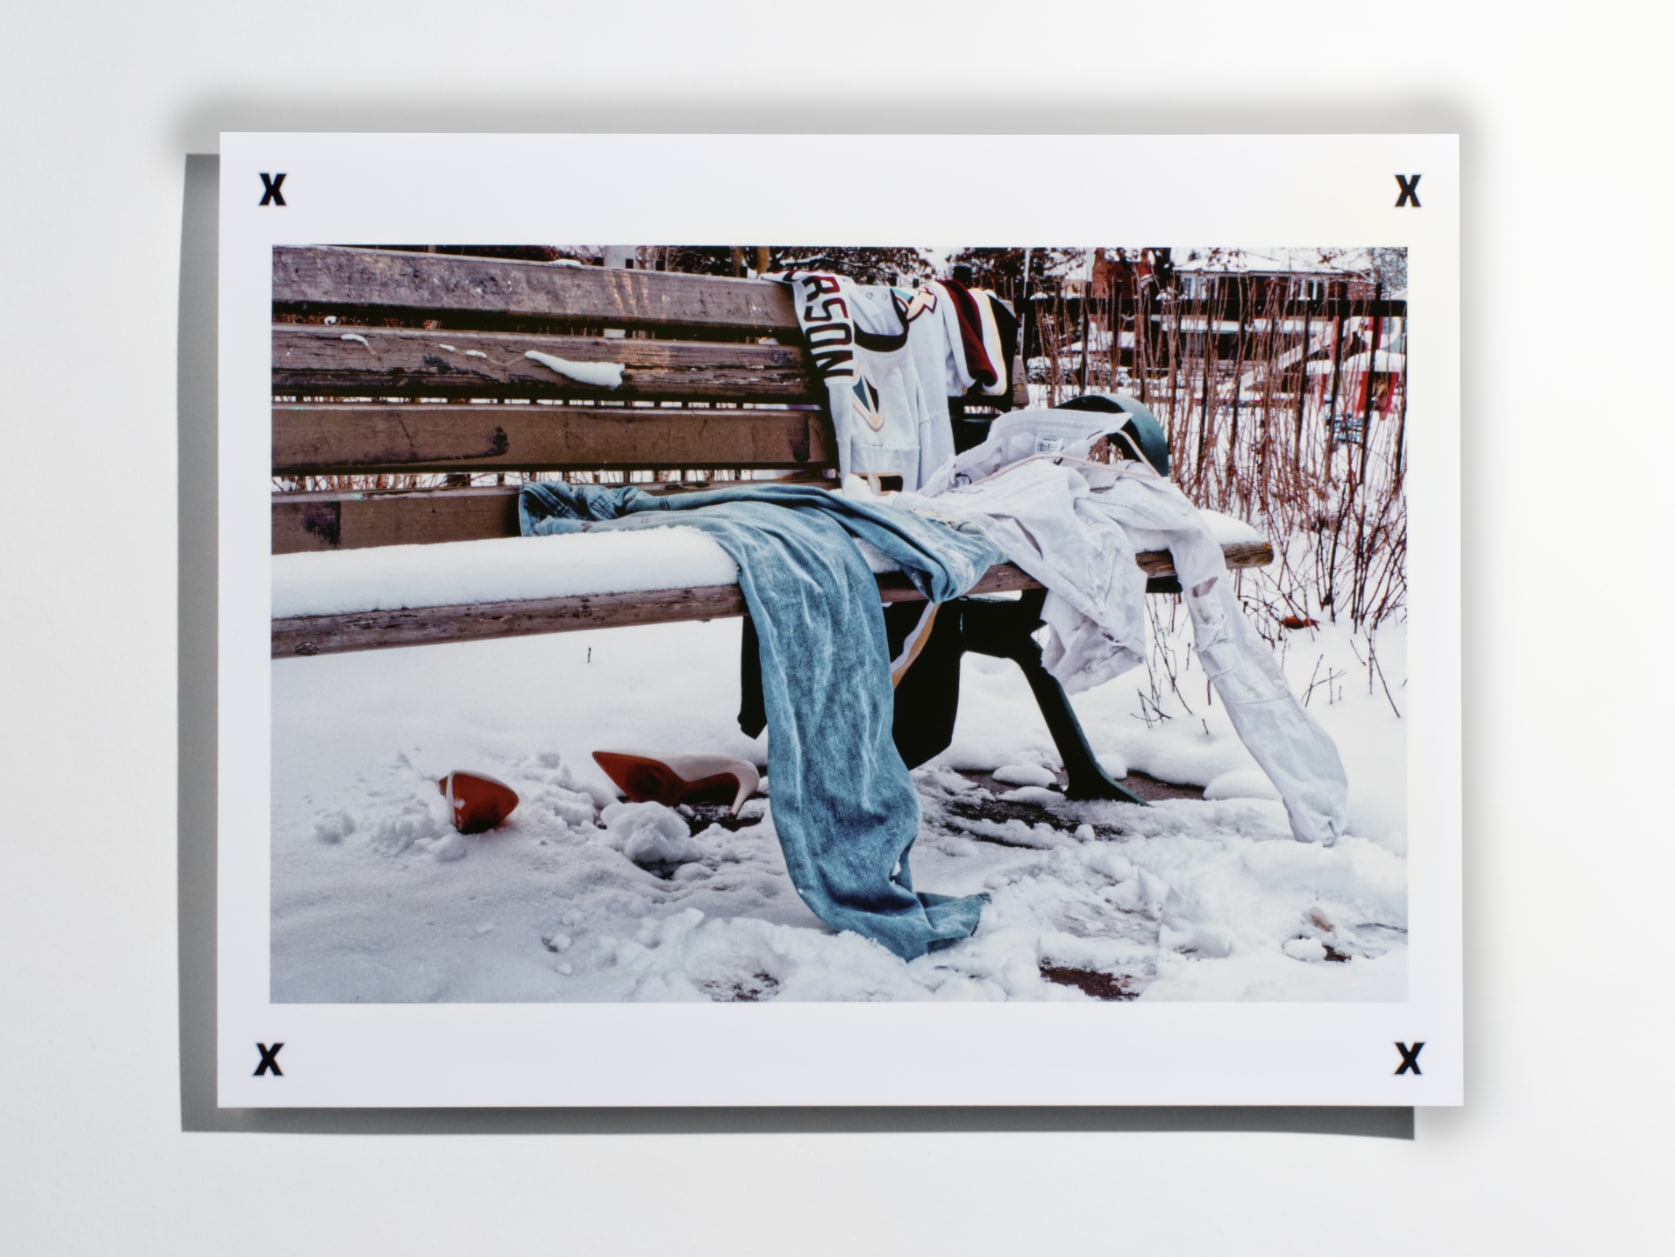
column 842, row 802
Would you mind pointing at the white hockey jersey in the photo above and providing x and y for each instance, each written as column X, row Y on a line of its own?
column 890, row 359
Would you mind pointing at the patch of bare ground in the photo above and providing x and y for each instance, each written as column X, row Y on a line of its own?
column 1091, row 982
column 987, row 805
column 752, row 990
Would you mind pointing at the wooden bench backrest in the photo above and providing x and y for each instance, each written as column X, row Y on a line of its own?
column 390, row 366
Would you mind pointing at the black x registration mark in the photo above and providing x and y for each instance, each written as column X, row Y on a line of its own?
column 1410, row 1057
column 270, row 1061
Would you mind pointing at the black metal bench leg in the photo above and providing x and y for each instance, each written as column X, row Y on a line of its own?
column 1005, row 630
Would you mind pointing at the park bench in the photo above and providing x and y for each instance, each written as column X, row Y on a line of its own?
column 407, row 411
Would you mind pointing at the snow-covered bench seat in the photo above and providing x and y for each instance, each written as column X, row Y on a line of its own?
column 507, row 587
column 413, row 391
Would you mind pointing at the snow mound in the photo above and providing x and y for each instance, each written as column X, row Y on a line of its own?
column 650, row 834
column 1242, row 783
column 1025, row 775
column 500, row 569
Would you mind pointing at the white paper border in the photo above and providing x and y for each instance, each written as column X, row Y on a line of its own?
column 1246, row 190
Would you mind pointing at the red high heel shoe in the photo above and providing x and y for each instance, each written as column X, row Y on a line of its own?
column 477, row 802
column 672, row 779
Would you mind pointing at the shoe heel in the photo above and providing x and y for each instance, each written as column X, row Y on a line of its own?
column 746, row 789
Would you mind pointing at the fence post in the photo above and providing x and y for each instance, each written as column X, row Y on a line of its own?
column 1368, row 377
column 1332, row 403
column 1087, row 293
column 1303, row 366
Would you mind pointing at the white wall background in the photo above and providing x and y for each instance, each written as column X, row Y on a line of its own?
column 1566, row 448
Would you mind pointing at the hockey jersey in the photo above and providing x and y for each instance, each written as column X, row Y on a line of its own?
column 890, row 359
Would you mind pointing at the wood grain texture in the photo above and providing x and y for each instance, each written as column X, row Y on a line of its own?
column 334, row 439
column 312, row 360
column 375, row 630
column 353, row 521
column 329, row 278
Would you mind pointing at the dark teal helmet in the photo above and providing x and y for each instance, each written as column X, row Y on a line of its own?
column 1139, row 435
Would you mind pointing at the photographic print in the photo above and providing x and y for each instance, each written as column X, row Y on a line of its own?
column 774, row 648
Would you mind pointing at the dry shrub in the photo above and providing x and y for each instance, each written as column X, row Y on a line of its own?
column 1269, row 419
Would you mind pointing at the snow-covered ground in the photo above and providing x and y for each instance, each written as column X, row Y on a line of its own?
column 376, row 898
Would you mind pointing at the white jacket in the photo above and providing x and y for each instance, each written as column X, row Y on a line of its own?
column 1075, row 526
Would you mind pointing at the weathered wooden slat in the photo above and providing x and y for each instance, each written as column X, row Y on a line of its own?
column 337, row 634
column 334, row 439
column 337, row 277
column 311, row 360
column 1160, row 567
column 352, row 521
column 373, row 630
